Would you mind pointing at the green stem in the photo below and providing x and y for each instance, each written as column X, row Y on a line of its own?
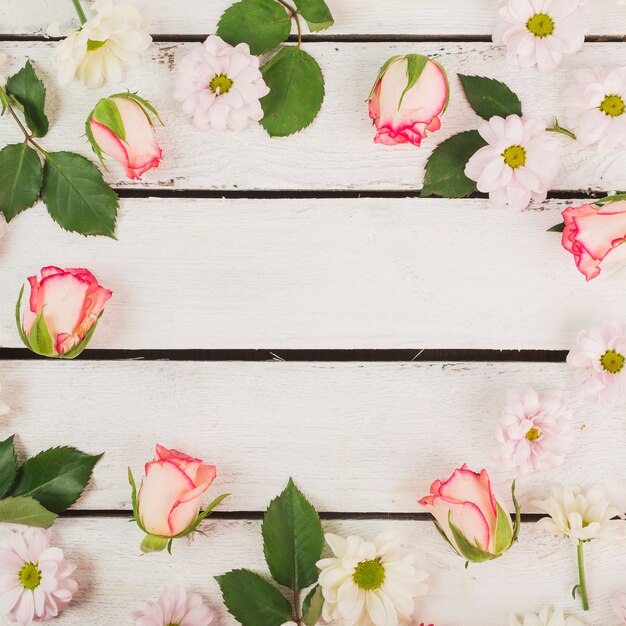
column 79, row 10
column 582, row 585
column 559, row 129
column 294, row 16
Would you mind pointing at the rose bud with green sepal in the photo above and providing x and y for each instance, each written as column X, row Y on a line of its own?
column 121, row 126
column 470, row 517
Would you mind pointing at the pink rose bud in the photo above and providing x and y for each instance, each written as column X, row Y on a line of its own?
column 408, row 98
column 121, row 127
column 169, row 499
column 590, row 234
column 470, row 516
column 63, row 311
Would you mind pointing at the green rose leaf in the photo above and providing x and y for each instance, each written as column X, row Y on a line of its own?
column 557, row 228
column 296, row 92
column 489, row 97
column 445, row 169
column 316, row 13
column 21, row 176
column 30, row 93
column 312, row 606
column 8, row 465
column 76, row 195
column 252, row 600
column 293, row 539
column 262, row 24
column 25, row 511
column 56, row 477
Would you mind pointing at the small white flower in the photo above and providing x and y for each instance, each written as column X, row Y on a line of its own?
column 519, row 163
column 540, row 32
column 546, row 617
column 599, row 356
column 220, row 86
column 535, row 432
column 96, row 52
column 35, row 581
column 174, row 606
column 596, row 107
column 369, row 583
column 581, row 515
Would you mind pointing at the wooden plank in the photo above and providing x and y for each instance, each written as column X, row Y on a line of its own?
column 324, row 273
column 357, row 437
column 357, row 17
column 338, row 151
column 538, row 571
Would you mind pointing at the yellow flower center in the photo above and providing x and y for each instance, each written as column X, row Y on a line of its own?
column 369, row 575
column 612, row 361
column 30, row 576
column 540, row 25
column 220, row 84
column 514, row 156
column 613, row 106
column 533, row 433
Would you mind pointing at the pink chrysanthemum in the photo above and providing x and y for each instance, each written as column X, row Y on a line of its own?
column 535, row 432
column 600, row 356
column 35, row 581
column 175, row 607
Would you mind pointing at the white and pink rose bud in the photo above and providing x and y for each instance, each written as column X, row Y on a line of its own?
column 409, row 96
column 470, row 516
column 122, row 127
column 170, row 497
column 64, row 307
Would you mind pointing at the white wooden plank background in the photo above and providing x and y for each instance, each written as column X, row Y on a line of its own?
column 324, row 273
column 358, row 437
column 337, row 151
column 360, row 17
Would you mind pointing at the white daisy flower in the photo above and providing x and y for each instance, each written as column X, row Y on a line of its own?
column 519, row 164
column 97, row 51
column 581, row 515
column 546, row 617
column 535, row 432
column 174, row 607
column 35, row 581
column 369, row 583
column 540, row 32
column 599, row 356
column 596, row 107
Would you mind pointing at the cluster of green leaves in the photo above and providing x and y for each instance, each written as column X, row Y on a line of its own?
column 293, row 76
column 156, row 543
column 37, row 491
column 445, row 169
column 70, row 185
column 293, row 541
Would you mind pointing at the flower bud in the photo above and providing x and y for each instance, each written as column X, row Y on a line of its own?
column 407, row 100
column 121, row 127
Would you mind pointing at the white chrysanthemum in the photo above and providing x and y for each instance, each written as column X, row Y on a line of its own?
column 369, row 583
column 600, row 356
column 546, row 617
column 35, row 581
column 535, row 431
column 174, row 607
column 581, row 515
column 220, row 86
column 596, row 107
column 540, row 32
column 519, row 163
column 97, row 51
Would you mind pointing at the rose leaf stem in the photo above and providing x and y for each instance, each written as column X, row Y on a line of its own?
column 296, row 607
column 79, row 10
column 294, row 16
column 582, row 586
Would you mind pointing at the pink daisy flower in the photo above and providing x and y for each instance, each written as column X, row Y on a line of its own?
column 175, row 607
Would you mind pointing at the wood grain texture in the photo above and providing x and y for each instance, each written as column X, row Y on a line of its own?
column 357, row 437
column 356, row 17
column 538, row 571
column 327, row 273
column 337, row 152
